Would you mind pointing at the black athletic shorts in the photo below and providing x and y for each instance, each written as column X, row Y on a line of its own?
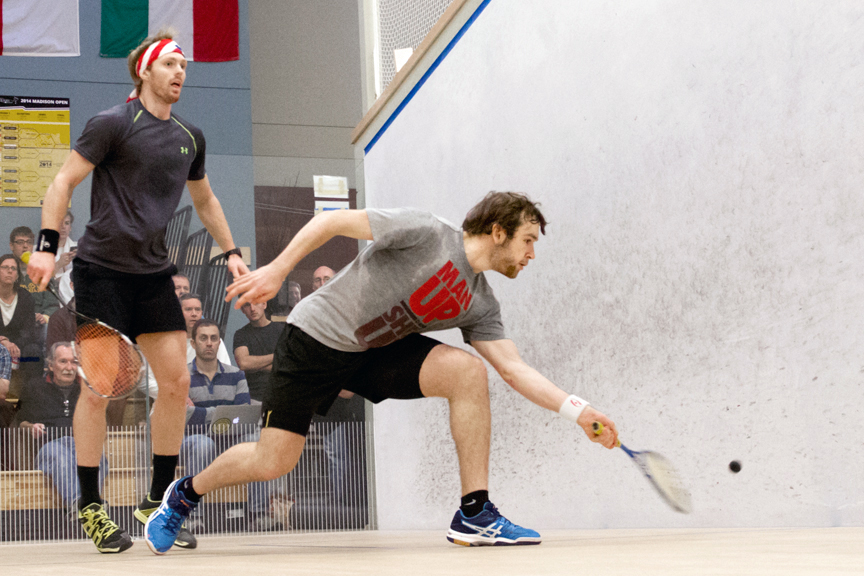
column 134, row 304
column 307, row 376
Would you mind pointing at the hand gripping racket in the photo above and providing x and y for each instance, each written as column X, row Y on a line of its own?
column 109, row 362
column 660, row 473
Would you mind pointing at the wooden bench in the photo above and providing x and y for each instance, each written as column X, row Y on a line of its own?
column 125, row 485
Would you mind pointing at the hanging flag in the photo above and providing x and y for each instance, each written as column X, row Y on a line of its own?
column 39, row 28
column 207, row 30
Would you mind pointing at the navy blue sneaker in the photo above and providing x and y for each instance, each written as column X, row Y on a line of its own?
column 489, row 528
column 164, row 524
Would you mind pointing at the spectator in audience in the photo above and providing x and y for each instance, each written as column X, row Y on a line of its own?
column 284, row 300
column 346, row 408
column 192, row 312
column 253, row 347
column 66, row 251
column 191, row 305
column 212, row 384
column 7, row 410
column 321, row 276
column 61, row 328
column 44, row 303
column 45, row 408
column 181, row 284
column 294, row 294
column 17, row 325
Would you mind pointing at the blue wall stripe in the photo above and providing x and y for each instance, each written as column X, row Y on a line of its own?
column 426, row 76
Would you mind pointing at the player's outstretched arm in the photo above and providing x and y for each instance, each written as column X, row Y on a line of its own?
column 504, row 357
column 210, row 212
column 263, row 284
column 54, row 207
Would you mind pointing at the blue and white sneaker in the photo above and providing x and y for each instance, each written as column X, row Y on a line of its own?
column 489, row 528
column 165, row 523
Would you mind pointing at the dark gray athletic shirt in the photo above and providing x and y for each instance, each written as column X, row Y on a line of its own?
column 414, row 277
column 142, row 165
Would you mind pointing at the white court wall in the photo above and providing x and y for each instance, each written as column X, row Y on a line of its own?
column 702, row 276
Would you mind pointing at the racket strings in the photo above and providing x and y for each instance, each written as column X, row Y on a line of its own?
column 666, row 480
column 108, row 362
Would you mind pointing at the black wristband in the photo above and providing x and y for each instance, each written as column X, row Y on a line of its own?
column 236, row 251
column 49, row 241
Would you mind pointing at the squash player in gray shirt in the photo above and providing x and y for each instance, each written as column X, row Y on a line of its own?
column 362, row 332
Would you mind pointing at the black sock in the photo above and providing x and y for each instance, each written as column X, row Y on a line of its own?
column 88, row 478
column 163, row 474
column 185, row 488
column 472, row 504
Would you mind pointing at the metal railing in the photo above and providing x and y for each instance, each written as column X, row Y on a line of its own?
column 326, row 491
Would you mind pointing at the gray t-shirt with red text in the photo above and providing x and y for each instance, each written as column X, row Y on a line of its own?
column 414, row 277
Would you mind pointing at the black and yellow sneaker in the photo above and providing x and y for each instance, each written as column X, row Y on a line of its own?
column 106, row 535
column 185, row 538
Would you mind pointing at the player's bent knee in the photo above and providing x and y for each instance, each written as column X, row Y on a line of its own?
column 450, row 372
column 277, row 453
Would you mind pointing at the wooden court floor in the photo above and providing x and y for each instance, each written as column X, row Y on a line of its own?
column 788, row 552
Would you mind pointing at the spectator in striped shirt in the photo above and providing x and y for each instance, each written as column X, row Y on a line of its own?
column 212, row 384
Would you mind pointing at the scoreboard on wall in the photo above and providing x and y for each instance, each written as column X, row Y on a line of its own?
column 35, row 144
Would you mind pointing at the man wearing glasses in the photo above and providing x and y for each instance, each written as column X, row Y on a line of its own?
column 20, row 241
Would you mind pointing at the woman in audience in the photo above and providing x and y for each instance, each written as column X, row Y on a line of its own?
column 17, row 318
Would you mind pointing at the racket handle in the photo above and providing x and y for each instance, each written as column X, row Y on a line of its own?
column 598, row 429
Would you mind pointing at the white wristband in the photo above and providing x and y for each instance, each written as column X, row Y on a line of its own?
column 572, row 407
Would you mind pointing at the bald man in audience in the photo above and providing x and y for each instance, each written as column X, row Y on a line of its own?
column 321, row 276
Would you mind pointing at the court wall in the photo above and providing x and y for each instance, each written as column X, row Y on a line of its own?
column 701, row 279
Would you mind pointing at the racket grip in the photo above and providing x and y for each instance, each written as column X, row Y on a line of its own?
column 598, row 429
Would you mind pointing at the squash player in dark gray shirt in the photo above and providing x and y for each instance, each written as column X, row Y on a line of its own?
column 142, row 156
column 362, row 332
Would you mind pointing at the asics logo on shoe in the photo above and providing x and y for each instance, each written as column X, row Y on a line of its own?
column 491, row 531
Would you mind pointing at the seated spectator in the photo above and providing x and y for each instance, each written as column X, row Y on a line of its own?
column 212, row 384
column 7, row 410
column 192, row 309
column 253, row 347
column 61, row 328
column 283, row 302
column 181, row 284
column 321, row 276
column 294, row 295
column 348, row 407
column 191, row 305
column 44, row 303
column 17, row 324
column 45, row 408
column 62, row 325
column 66, row 252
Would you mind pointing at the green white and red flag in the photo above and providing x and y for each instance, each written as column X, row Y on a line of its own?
column 207, row 30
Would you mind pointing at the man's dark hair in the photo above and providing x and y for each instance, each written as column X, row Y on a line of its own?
column 507, row 209
column 20, row 231
column 190, row 296
column 200, row 324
